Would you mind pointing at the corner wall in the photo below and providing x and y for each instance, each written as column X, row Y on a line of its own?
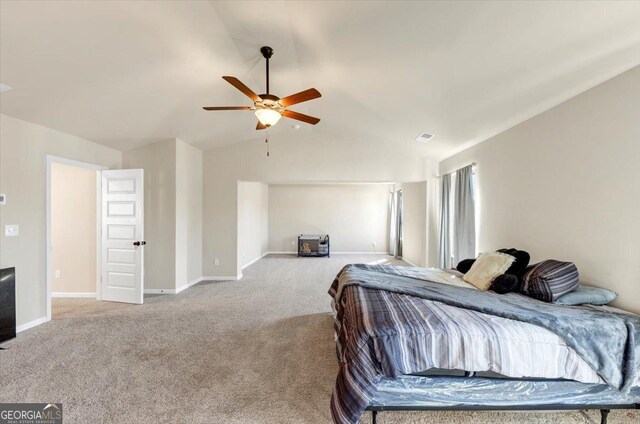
column 172, row 213
column 23, row 150
column 300, row 156
column 414, row 234
column 188, row 233
column 253, row 222
column 159, row 163
column 565, row 185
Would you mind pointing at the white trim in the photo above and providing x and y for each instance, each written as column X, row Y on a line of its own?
column 73, row 294
column 159, row 291
column 332, row 253
column 174, row 291
column 189, row 284
column 222, row 278
column 50, row 159
column 99, row 236
column 361, row 253
column 31, row 324
column 410, row 263
column 255, row 260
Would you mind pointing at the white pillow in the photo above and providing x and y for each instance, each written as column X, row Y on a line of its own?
column 487, row 268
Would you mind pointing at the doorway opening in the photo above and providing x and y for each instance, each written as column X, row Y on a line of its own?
column 73, row 231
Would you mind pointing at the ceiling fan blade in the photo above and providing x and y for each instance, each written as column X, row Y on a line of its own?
column 300, row 117
column 240, row 86
column 261, row 126
column 227, row 108
column 300, row 97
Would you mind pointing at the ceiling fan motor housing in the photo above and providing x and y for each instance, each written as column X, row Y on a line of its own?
column 266, row 51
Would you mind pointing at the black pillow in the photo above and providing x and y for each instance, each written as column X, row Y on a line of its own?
column 465, row 265
column 506, row 283
column 519, row 266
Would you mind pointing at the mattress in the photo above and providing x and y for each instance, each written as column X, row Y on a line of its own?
column 465, row 340
column 393, row 322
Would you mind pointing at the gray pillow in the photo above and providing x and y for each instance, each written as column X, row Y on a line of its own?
column 587, row 295
column 550, row 279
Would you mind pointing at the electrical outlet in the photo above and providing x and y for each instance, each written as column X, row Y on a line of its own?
column 293, row 242
column 57, row 273
column 11, row 230
column 373, row 243
column 216, row 262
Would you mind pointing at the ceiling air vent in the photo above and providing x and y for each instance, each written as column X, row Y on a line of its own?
column 4, row 88
column 424, row 137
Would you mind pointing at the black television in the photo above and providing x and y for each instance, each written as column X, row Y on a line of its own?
column 7, row 304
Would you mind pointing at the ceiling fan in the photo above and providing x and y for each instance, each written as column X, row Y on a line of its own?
column 267, row 107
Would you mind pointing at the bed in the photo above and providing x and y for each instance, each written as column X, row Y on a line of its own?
column 423, row 339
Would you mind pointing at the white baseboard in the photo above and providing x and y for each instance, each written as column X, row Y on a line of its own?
column 222, row 278
column 189, row 284
column 31, row 324
column 159, row 291
column 73, row 294
column 333, row 253
column 410, row 263
column 174, row 291
column 255, row 260
column 360, row 253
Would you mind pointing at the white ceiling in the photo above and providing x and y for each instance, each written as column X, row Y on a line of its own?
column 125, row 74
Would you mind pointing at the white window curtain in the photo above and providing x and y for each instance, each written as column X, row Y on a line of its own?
column 457, row 217
column 464, row 211
column 395, row 224
column 398, row 224
column 445, row 227
column 392, row 224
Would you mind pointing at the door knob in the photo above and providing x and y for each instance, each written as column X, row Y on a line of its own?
column 136, row 243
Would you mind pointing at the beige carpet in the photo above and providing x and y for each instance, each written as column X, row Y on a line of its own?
column 259, row 350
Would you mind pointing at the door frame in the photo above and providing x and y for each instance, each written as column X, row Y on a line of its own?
column 98, row 168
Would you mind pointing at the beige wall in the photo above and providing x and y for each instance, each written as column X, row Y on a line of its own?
column 296, row 156
column 414, row 245
column 253, row 221
column 172, row 212
column 188, row 213
column 354, row 215
column 23, row 150
column 73, row 229
column 159, row 163
column 565, row 185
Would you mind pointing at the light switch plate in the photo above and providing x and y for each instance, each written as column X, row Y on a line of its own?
column 11, row 230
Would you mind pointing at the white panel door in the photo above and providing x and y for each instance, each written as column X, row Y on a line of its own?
column 123, row 235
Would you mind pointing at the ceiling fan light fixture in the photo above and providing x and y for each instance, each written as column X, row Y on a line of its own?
column 268, row 117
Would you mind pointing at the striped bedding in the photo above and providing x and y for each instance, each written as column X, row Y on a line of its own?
column 424, row 334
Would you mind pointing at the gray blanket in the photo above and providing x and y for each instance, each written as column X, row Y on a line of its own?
column 608, row 342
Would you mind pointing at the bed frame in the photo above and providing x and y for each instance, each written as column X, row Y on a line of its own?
column 604, row 409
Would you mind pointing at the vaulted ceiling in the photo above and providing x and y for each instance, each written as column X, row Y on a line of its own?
column 125, row 74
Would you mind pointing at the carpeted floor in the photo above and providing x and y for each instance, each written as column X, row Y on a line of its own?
column 259, row 350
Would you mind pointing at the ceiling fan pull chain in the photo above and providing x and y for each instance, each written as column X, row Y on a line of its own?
column 266, row 140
